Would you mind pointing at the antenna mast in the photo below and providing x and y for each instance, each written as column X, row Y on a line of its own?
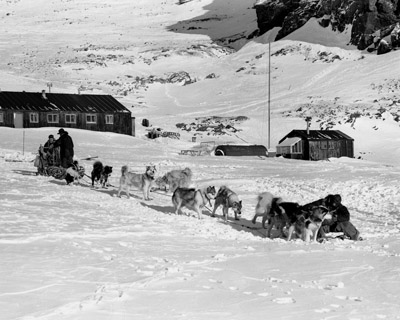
column 269, row 94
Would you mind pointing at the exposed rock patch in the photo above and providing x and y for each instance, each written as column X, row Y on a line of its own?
column 213, row 125
column 365, row 16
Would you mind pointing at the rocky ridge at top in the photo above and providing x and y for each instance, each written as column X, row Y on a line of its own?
column 370, row 20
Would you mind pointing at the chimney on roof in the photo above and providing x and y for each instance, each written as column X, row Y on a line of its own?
column 308, row 120
column 44, row 95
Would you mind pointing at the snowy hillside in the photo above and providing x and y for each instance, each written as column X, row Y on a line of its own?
column 133, row 50
column 72, row 252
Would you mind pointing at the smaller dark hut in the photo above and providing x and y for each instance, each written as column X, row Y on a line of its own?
column 315, row 145
column 241, row 150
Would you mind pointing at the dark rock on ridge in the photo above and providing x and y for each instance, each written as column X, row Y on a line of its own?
column 369, row 20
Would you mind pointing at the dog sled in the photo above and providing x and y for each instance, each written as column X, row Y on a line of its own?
column 75, row 172
column 44, row 160
column 48, row 164
column 204, row 149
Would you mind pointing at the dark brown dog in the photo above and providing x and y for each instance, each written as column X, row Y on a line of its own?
column 100, row 173
column 282, row 214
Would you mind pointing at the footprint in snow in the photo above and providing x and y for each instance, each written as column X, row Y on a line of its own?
column 334, row 286
column 272, row 279
column 323, row 310
column 220, row 257
column 124, row 244
column 285, row 300
column 358, row 299
column 215, row 281
column 263, row 294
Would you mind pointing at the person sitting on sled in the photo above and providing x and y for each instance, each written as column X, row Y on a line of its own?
column 50, row 152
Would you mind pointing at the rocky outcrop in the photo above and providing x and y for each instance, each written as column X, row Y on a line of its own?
column 369, row 19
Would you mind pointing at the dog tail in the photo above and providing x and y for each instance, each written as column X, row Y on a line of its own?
column 275, row 208
column 276, row 201
column 124, row 170
column 221, row 191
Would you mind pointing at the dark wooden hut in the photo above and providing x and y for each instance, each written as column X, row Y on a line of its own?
column 241, row 150
column 315, row 145
column 82, row 111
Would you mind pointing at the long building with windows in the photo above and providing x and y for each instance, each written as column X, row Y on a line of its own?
column 82, row 111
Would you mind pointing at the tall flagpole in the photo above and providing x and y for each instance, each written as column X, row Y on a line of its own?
column 269, row 95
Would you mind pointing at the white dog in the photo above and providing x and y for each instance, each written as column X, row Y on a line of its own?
column 175, row 179
column 263, row 207
column 142, row 181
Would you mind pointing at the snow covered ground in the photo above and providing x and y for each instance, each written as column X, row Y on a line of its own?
column 71, row 252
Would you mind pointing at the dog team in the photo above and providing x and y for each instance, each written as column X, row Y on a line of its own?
column 309, row 222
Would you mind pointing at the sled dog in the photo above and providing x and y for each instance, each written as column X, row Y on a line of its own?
column 194, row 199
column 142, row 181
column 282, row 215
column 228, row 199
column 265, row 201
column 74, row 173
column 100, row 173
column 175, row 179
column 307, row 224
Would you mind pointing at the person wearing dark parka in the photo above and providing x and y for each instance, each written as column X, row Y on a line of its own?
column 66, row 148
column 341, row 219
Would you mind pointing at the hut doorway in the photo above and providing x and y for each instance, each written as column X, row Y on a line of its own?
column 18, row 120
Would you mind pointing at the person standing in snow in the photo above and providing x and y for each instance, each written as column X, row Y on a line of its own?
column 341, row 219
column 66, row 148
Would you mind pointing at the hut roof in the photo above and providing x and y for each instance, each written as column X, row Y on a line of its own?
column 317, row 135
column 289, row 142
column 241, row 150
column 38, row 101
